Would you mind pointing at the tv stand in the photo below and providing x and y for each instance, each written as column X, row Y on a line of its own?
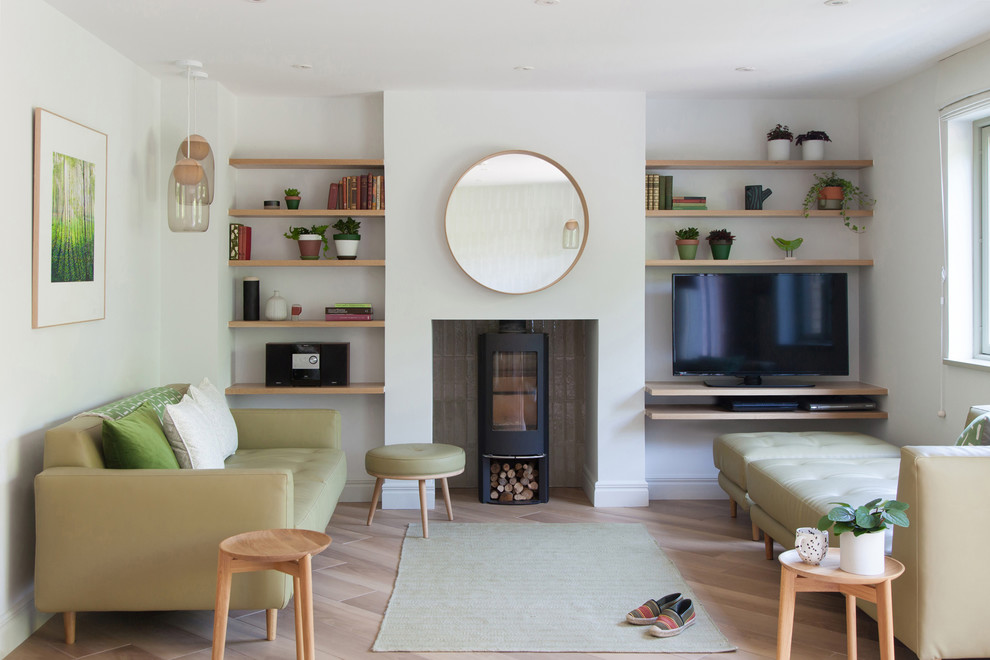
column 755, row 381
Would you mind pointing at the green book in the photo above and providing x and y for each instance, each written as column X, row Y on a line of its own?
column 668, row 192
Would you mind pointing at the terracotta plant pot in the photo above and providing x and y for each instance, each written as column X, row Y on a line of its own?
column 830, row 198
column 309, row 246
column 687, row 248
column 292, row 202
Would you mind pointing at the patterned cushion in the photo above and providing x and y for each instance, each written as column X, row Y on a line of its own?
column 158, row 397
column 977, row 433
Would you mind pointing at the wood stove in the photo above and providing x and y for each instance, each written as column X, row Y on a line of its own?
column 513, row 431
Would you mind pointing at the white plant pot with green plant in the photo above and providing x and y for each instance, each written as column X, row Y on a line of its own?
column 347, row 240
column 779, row 143
column 812, row 144
column 862, row 533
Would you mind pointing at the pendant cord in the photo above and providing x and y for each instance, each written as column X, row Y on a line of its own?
column 188, row 134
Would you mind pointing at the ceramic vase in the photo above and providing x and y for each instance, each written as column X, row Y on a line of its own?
column 778, row 150
column 863, row 554
column 276, row 309
column 309, row 246
column 346, row 245
column 811, row 544
column 687, row 248
column 813, row 149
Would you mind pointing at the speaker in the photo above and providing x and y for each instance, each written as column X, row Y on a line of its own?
column 307, row 364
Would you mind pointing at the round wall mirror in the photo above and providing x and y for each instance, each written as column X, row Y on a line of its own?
column 516, row 222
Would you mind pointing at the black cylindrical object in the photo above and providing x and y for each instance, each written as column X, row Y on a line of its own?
column 251, row 298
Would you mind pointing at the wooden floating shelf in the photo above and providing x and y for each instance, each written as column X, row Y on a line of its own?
column 306, row 213
column 764, row 213
column 306, row 324
column 259, row 388
column 828, row 388
column 306, row 263
column 755, row 263
column 305, row 163
column 710, row 412
column 758, row 164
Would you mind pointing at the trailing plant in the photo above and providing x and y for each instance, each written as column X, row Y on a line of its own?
column 779, row 132
column 291, row 192
column 850, row 193
column 866, row 519
column 318, row 230
column 687, row 234
column 348, row 226
column 720, row 235
column 812, row 135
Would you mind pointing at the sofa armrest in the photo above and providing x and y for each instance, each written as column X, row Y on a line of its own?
column 266, row 428
column 940, row 601
column 148, row 539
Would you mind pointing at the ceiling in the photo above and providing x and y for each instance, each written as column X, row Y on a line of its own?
column 687, row 48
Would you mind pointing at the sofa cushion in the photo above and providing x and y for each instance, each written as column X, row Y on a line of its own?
column 137, row 441
column 158, row 397
column 976, row 433
column 317, row 473
column 192, row 435
column 214, row 405
column 733, row 451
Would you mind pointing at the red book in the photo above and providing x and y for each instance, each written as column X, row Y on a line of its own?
column 244, row 244
column 349, row 317
column 334, row 193
column 363, row 191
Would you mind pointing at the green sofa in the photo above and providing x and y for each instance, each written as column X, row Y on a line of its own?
column 124, row 540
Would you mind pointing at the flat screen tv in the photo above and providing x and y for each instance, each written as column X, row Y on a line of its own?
column 753, row 325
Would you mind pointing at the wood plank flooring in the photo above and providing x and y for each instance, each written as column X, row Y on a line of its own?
column 353, row 580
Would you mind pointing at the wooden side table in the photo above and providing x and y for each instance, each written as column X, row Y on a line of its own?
column 795, row 576
column 287, row 550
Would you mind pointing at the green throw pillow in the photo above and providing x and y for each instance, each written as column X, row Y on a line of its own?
column 137, row 441
column 977, row 433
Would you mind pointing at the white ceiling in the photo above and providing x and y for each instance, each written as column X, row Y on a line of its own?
column 799, row 48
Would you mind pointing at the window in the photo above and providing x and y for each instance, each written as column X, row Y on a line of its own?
column 981, row 247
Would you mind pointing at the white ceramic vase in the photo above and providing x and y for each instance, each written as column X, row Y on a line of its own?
column 863, row 554
column 276, row 309
column 813, row 149
column 346, row 247
column 778, row 149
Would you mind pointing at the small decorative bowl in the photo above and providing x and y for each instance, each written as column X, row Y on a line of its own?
column 272, row 204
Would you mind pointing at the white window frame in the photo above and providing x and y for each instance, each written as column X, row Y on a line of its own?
column 981, row 229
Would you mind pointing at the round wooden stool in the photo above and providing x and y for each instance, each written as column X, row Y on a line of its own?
column 287, row 550
column 419, row 461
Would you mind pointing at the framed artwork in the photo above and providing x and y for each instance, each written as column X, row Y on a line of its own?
column 70, row 221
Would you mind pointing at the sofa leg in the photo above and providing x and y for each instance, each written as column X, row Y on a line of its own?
column 768, row 545
column 756, row 532
column 732, row 508
column 69, row 621
column 271, row 621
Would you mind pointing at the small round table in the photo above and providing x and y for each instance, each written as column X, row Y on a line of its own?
column 795, row 576
column 287, row 550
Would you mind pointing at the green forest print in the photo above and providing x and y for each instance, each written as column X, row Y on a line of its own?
column 73, row 197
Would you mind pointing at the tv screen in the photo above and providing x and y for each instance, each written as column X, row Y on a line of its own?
column 752, row 325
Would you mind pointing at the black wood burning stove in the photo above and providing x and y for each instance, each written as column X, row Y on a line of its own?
column 513, row 433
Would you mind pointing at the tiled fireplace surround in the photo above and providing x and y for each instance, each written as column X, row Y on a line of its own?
column 455, row 393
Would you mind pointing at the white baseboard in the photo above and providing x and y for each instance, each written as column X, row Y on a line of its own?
column 615, row 493
column 17, row 624
column 404, row 494
column 358, row 491
column 676, row 488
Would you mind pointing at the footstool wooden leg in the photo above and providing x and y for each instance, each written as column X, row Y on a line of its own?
column 422, row 507
column 297, row 609
column 306, row 596
column 271, row 624
column 446, row 499
column 69, row 622
column 851, row 639
column 222, row 607
column 374, row 498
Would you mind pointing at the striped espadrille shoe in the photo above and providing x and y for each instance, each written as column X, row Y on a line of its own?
column 673, row 620
column 648, row 612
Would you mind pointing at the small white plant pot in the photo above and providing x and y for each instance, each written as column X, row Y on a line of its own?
column 346, row 247
column 863, row 554
column 778, row 149
column 813, row 149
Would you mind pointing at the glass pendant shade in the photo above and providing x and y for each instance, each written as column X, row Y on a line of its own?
column 571, row 235
column 203, row 154
column 188, row 204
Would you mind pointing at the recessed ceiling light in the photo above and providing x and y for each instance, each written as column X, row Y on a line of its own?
column 547, row 2
column 836, row 3
column 745, row 68
column 302, row 66
column 525, row 67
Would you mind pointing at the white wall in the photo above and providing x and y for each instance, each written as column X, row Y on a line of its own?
column 52, row 373
column 430, row 140
column 679, row 454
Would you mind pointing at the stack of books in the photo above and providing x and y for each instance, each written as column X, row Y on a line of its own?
column 658, row 192
column 366, row 191
column 240, row 242
column 350, row 312
column 689, row 203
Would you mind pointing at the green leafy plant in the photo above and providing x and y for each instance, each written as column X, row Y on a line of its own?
column 319, row 230
column 850, row 193
column 348, row 226
column 871, row 517
column 291, row 192
column 720, row 236
column 812, row 135
column 687, row 234
column 779, row 132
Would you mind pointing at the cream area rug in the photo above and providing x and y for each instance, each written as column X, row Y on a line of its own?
column 534, row 587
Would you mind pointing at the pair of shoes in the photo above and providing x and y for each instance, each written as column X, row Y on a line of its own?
column 647, row 613
column 674, row 619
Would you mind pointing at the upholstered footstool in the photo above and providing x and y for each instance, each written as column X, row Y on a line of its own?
column 419, row 461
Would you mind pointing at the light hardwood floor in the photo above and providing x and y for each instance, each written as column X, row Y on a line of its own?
column 353, row 578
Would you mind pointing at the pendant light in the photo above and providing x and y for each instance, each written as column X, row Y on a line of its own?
column 188, row 194
column 195, row 146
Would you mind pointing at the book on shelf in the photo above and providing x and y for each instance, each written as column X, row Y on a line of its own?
column 352, row 304
column 240, row 242
column 658, row 191
column 235, row 235
column 349, row 317
column 343, row 311
column 358, row 192
column 680, row 206
column 332, row 199
column 689, row 199
column 668, row 191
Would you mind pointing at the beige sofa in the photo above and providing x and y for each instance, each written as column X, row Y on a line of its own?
column 113, row 540
column 938, row 602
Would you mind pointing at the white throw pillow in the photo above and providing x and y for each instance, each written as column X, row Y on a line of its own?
column 192, row 435
column 214, row 405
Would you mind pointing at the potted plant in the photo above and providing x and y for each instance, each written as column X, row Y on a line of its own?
column 309, row 239
column 687, row 242
column 779, row 143
column 346, row 242
column 812, row 144
column 831, row 191
column 861, row 532
column 720, row 241
column 292, row 198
